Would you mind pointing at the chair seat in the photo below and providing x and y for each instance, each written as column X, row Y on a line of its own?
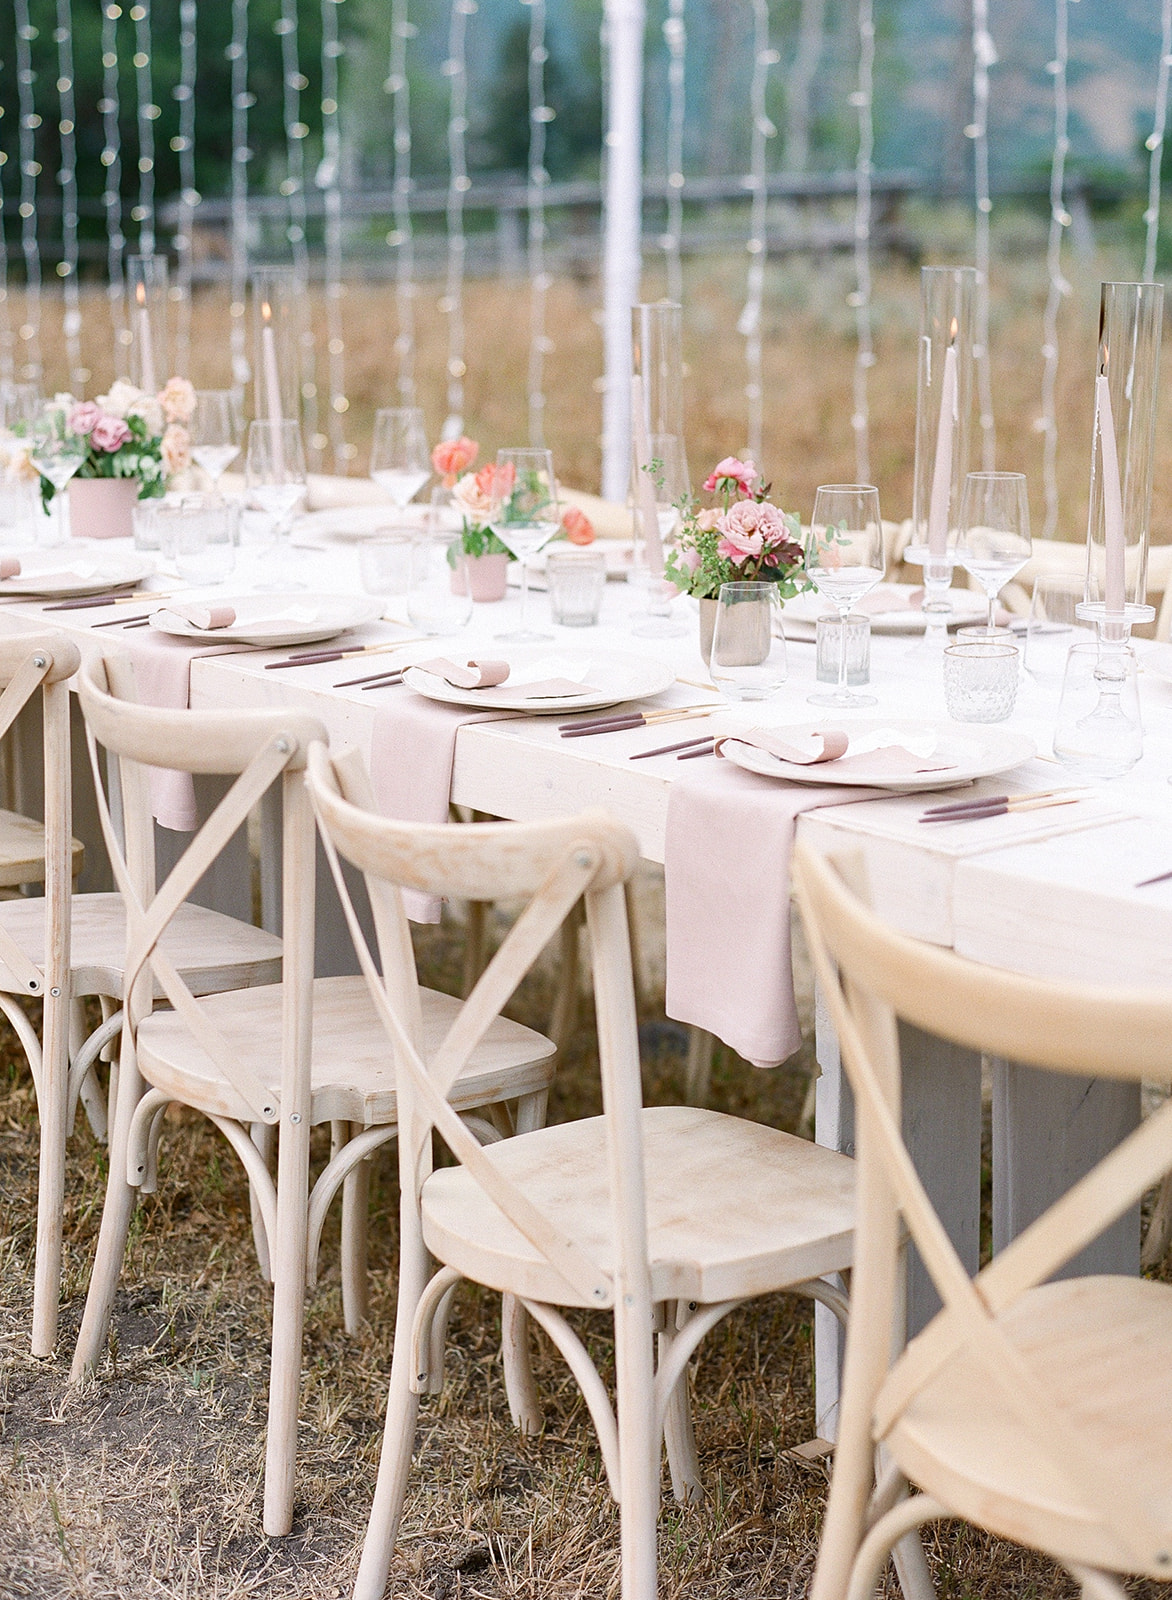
column 22, row 851
column 352, row 1073
column 733, row 1208
column 211, row 950
column 962, row 1442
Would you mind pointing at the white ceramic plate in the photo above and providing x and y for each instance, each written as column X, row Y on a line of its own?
column 802, row 612
column 977, row 753
column 609, row 677
column 75, row 571
column 277, row 620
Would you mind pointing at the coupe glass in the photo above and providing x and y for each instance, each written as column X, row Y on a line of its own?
column 524, row 517
column 399, row 459
column 215, row 431
column 993, row 536
column 844, row 560
column 56, row 453
column 668, row 473
column 276, row 479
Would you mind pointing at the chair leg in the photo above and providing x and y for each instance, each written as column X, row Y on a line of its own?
column 1159, row 1230
column 289, row 1262
column 679, row 1435
column 475, row 943
column 53, row 1116
column 890, row 1530
column 264, row 1138
column 564, row 1017
column 639, row 1454
column 520, row 1386
column 120, row 1201
column 355, row 1210
column 698, row 1072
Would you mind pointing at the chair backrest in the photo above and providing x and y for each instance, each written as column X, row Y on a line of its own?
column 31, row 664
column 872, row 978
column 257, row 748
column 550, row 865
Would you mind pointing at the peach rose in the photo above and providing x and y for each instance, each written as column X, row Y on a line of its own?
column 177, row 398
column 176, row 448
column 578, row 526
column 451, row 457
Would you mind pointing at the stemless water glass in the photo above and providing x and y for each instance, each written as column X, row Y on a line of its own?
column 748, row 647
column 215, row 431
column 276, row 478
column 434, row 604
column 400, row 462
column 524, row 517
column 844, row 560
column 993, row 534
column 1100, row 731
column 203, row 550
column 57, row 453
column 576, row 581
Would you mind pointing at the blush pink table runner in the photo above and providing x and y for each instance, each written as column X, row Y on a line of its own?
column 730, row 837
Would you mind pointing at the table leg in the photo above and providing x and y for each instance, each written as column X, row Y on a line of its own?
column 1049, row 1130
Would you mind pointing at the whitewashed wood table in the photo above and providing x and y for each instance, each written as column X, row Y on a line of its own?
column 1046, row 892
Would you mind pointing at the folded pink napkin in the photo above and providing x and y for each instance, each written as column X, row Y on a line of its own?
column 730, row 835
column 206, row 618
column 828, row 749
column 492, row 674
column 9, row 567
column 413, row 749
column 162, row 677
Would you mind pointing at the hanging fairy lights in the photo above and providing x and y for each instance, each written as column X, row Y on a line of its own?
column 329, row 181
column 401, row 238
column 455, row 69
column 984, row 57
column 292, row 186
column 111, row 159
column 540, row 115
column 860, row 298
column 675, row 36
column 242, row 101
column 1155, row 145
column 144, row 212
column 184, row 146
column 749, row 324
column 1059, row 287
column 29, row 331
column 67, row 178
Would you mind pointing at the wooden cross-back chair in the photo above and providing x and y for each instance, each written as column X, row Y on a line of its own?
column 666, row 1218
column 283, row 1056
column 1039, row 1410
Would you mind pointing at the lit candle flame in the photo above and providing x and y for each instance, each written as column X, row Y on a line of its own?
column 266, row 311
column 953, row 331
column 140, row 293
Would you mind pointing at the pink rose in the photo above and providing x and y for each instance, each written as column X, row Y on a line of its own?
column 750, row 528
column 742, row 474
column 451, row 457
column 109, row 434
column 578, row 526
column 83, row 417
column 176, row 448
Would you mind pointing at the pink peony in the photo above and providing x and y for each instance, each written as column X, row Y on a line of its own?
column 83, row 416
column 741, row 473
column 578, row 526
column 750, row 528
column 177, row 398
column 176, row 448
column 109, row 434
column 451, row 457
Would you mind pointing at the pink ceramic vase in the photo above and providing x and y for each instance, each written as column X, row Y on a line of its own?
column 485, row 577
column 102, row 508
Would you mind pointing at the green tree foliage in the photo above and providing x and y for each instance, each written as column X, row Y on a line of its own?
column 572, row 91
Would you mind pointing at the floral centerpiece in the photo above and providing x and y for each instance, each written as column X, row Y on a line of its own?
column 129, row 434
column 744, row 539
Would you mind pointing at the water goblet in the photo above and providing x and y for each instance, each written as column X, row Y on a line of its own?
column 844, row 560
column 993, row 531
column 215, row 431
column 524, row 517
column 399, row 459
column 57, row 453
column 277, row 481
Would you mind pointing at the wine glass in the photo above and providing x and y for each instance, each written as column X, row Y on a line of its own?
column 57, row 453
column 993, row 536
column 525, row 517
column 844, row 560
column 215, row 431
column 667, row 472
column 399, row 458
column 276, row 477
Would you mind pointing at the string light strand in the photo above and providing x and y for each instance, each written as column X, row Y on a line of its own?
column 984, row 57
column 1155, row 145
column 67, row 179
column 242, row 101
column 184, row 146
column 401, row 238
column 749, row 324
column 1059, row 287
column 329, row 181
column 7, row 363
column 111, row 158
column 30, row 168
column 675, row 35
column 540, row 115
column 861, row 296
column 294, row 82
column 144, row 212
column 456, row 70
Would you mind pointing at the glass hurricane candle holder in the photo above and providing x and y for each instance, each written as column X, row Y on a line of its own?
column 150, row 352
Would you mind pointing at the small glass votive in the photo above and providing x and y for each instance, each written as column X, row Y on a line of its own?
column 576, row 580
column 978, row 633
column 384, row 563
column 980, row 680
column 144, row 520
column 1099, row 733
column 858, row 649
column 201, row 531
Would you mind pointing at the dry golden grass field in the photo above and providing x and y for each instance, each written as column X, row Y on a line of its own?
column 147, row 1483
